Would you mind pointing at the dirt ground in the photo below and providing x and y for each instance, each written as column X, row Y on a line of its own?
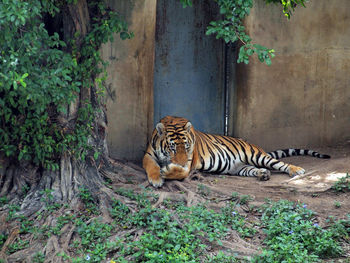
column 312, row 189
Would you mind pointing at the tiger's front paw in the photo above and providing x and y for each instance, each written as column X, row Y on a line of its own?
column 174, row 171
column 295, row 170
column 263, row 174
column 156, row 181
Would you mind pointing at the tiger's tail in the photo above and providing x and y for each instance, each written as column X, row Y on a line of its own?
column 296, row 152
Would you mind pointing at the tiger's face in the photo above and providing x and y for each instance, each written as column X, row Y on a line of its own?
column 177, row 141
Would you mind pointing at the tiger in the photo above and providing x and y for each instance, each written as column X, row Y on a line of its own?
column 176, row 150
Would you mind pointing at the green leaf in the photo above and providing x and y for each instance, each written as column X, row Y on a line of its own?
column 250, row 52
column 268, row 61
column 23, row 83
column 124, row 35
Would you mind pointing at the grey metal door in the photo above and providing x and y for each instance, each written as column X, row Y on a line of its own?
column 188, row 80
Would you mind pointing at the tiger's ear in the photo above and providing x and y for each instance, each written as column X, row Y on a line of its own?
column 188, row 126
column 160, row 128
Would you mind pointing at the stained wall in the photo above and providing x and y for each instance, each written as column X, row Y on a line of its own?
column 303, row 98
column 130, row 81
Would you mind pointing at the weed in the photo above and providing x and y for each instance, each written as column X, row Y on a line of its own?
column 143, row 199
column 171, row 204
column 93, row 242
column 3, row 200
column 235, row 196
column 203, row 190
column 26, row 225
column 293, row 236
column 39, row 258
column 25, row 189
column 13, row 209
column 236, row 221
column 18, row 245
column 48, row 200
column 88, row 200
column 3, row 238
column 245, row 199
column 221, row 257
column 119, row 211
column 61, row 221
column 337, row 204
column 343, row 184
column 179, row 235
column 241, row 199
column 340, row 228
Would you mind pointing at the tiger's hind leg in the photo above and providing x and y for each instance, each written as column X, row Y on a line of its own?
column 261, row 174
column 274, row 164
column 295, row 170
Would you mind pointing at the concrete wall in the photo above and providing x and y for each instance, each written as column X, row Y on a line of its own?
column 303, row 99
column 130, row 76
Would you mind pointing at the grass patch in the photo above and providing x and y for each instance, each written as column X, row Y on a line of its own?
column 293, row 235
column 139, row 232
column 343, row 184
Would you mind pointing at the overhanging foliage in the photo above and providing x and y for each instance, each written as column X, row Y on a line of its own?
column 42, row 74
column 231, row 27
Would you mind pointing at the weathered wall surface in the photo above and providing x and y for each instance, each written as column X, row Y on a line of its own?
column 303, row 99
column 130, row 76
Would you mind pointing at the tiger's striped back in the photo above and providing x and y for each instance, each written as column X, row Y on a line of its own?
column 220, row 154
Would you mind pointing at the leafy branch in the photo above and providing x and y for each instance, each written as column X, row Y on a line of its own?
column 39, row 77
column 231, row 29
column 288, row 5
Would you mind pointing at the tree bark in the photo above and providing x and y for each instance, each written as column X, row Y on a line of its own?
column 19, row 180
column 37, row 189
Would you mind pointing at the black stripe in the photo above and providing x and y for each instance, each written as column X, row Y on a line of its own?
column 263, row 161
column 235, row 147
column 258, row 155
column 266, row 165
column 252, row 155
column 273, row 154
column 219, row 164
column 243, row 151
column 274, row 163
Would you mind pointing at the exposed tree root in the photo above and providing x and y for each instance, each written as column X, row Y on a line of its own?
column 239, row 246
column 13, row 235
column 169, row 196
column 65, row 188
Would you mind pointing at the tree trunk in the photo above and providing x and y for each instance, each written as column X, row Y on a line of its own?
column 18, row 181
column 37, row 190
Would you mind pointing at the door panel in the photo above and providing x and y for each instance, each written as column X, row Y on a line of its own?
column 188, row 80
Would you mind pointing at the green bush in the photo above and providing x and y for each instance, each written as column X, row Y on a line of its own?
column 40, row 77
column 343, row 184
column 36, row 78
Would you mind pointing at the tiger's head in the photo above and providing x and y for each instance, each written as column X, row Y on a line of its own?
column 175, row 141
